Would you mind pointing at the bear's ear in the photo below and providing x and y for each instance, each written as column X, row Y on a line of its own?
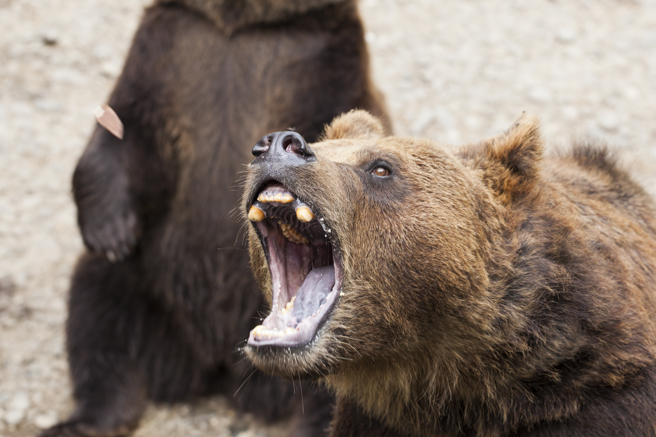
column 511, row 161
column 356, row 124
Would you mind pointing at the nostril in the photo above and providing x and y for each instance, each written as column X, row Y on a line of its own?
column 294, row 144
column 287, row 145
column 262, row 146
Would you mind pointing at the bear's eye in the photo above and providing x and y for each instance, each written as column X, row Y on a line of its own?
column 381, row 171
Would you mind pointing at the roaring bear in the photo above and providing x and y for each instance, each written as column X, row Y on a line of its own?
column 486, row 290
column 163, row 296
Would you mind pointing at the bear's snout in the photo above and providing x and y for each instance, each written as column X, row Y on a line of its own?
column 283, row 148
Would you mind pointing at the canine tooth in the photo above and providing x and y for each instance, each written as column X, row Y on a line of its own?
column 255, row 214
column 294, row 236
column 290, row 304
column 304, row 214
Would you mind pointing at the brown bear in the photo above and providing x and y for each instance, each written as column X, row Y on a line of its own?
column 164, row 296
column 479, row 291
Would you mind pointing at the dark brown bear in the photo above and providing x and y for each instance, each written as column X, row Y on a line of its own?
column 164, row 296
column 480, row 291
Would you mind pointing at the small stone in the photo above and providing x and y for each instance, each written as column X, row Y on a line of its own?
column 49, row 37
column 571, row 113
column 102, row 51
column 46, row 420
column 65, row 75
column 47, row 105
column 20, row 401
column 566, row 36
column 7, row 285
column 110, row 69
column 631, row 93
column 14, row 417
column 609, row 122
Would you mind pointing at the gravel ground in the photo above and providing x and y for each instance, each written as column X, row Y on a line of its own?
column 452, row 70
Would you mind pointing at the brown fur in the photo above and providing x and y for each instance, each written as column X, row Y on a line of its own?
column 163, row 297
column 229, row 15
column 488, row 291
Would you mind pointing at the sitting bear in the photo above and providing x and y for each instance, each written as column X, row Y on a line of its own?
column 479, row 291
column 164, row 296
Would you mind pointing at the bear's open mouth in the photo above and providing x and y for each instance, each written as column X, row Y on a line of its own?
column 305, row 269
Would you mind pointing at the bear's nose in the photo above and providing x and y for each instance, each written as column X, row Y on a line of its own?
column 283, row 146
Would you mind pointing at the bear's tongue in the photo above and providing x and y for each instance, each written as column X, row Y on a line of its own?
column 312, row 294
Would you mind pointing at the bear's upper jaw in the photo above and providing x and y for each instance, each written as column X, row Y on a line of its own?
column 305, row 271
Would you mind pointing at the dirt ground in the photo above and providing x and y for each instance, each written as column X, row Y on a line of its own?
column 453, row 70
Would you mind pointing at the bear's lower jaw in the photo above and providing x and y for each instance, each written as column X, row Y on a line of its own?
column 292, row 326
column 306, row 274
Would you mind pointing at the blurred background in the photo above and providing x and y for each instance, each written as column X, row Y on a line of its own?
column 455, row 71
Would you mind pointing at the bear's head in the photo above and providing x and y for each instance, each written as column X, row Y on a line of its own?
column 376, row 249
column 442, row 288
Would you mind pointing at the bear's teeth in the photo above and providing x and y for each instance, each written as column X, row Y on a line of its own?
column 262, row 332
column 304, row 214
column 259, row 330
column 292, row 234
column 255, row 214
column 289, row 305
column 279, row 197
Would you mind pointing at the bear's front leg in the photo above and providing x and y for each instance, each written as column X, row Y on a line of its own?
column 106, row 215
column 350, row 421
